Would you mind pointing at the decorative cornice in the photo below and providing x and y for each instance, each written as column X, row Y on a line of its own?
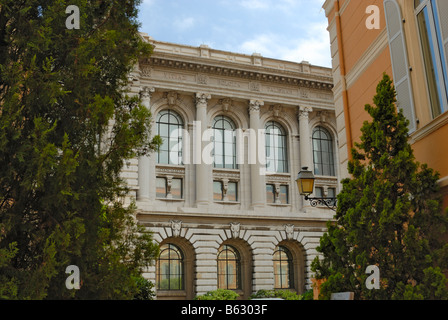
column 320, row 83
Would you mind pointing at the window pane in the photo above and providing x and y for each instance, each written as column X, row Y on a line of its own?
column 323, row 156
column 270, row 193
column 176, row 188
column 284, row 194
column 224, row 143
column 217, row 191
column 276, row 151
column 170, row 271
column 169, row 127
column 228, row 268
column 232, row 191
column 163, row 156
column 430, row 61
column 283, row 269
column 319, row 192
column 161, row 187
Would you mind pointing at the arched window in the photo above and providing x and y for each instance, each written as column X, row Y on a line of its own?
column 224, row 148
column 169, row 127
column 276, row 150
column 229, row 268
column 283, row 269
column 170, row 268
column 323, row 152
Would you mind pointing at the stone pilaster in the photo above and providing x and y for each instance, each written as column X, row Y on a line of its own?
column 202, row 170
column 257, row 170
column 145, row 169
column 306, row 159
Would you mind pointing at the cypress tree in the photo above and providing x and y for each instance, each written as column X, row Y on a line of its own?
column 66, row 129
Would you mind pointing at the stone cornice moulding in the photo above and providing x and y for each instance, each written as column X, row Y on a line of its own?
column 298, row 79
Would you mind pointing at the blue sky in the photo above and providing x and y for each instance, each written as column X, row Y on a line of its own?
column 293, row 30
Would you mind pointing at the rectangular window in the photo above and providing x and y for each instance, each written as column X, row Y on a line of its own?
column 278, row 196
column 176, row 188
column 331, row 192
column 161, row 188
column 169, row 188
column 232, row 191
column 319, row 192
column 284, row 194
column 217, row 191
column 270, row 197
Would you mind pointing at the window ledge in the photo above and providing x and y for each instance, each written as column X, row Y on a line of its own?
column 429, row 128
column 168, row 199
column 171, row 293
column 279, row 204
column 227, row 202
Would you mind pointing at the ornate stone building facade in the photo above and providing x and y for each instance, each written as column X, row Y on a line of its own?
column 220, row 196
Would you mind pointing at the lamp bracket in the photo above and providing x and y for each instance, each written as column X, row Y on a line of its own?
column 330, row 203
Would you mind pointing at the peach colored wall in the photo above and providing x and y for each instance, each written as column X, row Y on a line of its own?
column 356, row 39
column 433, row 151
column 364, row 89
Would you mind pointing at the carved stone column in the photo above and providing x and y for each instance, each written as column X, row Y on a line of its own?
column 202, row 171
column 145, row 172
column 306, row 159
column 257, row 177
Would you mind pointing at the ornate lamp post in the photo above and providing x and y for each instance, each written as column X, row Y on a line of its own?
column 305, row 183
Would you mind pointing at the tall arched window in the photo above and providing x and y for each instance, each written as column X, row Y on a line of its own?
column 169, row 127
column 283, row 269
column 229, row 268
column 323, row 152
column 224, row 148
column 276, row 148
column 170, row 268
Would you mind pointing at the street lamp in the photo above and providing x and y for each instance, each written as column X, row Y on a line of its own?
column 305, row 183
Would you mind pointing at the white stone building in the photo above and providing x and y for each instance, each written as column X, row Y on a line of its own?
column 229, row 219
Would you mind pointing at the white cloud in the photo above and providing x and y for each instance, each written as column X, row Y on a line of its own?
column 255, row 4
column 148, row 2
column 184, row 23
column 313, row 47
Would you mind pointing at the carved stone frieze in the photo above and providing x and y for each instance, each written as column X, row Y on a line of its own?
column 321, row 83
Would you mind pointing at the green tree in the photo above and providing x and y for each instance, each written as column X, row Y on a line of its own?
column 66, row 129
column 389, row 214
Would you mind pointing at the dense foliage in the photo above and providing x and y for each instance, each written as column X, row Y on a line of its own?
column 66, row 130
column 219, row 294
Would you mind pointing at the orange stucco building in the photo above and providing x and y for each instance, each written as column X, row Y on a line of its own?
column 407, row 39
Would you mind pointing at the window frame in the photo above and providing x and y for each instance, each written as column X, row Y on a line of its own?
column 181, row 267
column 331, row 153
column 290, row 265
column 179, row 143
column 226, row 248
column 284, row 147
column 436, row 52
column 222, row 130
